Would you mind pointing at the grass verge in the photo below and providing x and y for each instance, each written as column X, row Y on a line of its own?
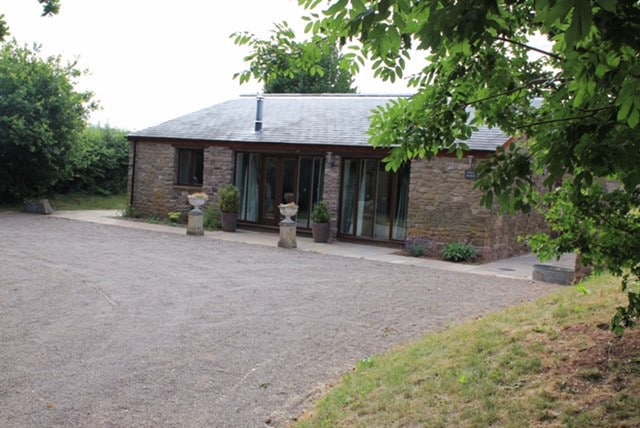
column 549, row 363
column 79, row 201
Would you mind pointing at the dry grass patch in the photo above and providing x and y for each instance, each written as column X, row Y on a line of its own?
column 552, row 363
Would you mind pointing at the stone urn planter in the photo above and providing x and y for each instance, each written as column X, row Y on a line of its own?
column 197, row 200
column 288, row 211
column 288, row 226
column 195, row 218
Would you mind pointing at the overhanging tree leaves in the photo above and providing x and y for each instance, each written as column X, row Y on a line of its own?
column 41, row 117
column 285, row 65
column 576, row 99
column 49, row 7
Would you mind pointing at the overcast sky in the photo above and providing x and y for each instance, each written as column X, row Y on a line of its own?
column 154, row 60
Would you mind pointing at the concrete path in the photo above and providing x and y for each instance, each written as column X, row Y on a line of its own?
column 520, row 267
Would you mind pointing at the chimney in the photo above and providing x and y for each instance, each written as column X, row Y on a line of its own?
column 259, row 112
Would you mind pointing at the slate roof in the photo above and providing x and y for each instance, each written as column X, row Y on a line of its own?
column 340, row 120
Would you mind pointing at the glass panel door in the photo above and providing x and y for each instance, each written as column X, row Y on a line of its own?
column 366, row 199
column 267, row 181
column 402, row 195
column 374, row 201
column 305, row 192
column 289, row 180
column 248, row 175
column 349, row 192
column 270, row 190
column 383, row 204
column 279, row 185
column 310, row 186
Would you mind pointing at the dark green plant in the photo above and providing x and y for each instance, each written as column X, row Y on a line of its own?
column 211, row 220
column 320, row 213
column 229, row 199
column 416, row 250
column 154, row 219
column 41, row 119
column 459, row 252
column 100, row 163
column 277, row 62
column 581, row 215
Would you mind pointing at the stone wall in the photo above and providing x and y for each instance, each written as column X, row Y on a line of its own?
column 155, row 191
column 331, row 189
column 218, row 171
column 444, row 208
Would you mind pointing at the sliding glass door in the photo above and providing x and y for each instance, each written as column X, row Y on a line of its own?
column 279, row 186
column 310, row 185
column 248, row 179
column 266, row 181
column 374, row 201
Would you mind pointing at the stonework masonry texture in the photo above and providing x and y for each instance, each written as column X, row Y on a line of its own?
column 444, row 208
column 331, row 191
column 443, row 205
column 155, row 191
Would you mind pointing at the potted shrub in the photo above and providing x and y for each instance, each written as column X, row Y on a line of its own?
column 320, row 226
column 229, row 207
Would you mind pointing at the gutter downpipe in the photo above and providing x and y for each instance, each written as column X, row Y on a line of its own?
column 133, row 170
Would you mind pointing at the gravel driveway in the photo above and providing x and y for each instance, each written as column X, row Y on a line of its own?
column 108, row 326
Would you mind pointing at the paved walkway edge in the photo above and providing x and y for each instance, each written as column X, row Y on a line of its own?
column 520, row 267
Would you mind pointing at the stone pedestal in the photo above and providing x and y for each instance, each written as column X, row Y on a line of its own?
column 288, row 226
column 45, row 206
column 195, row 223
column 287, row 234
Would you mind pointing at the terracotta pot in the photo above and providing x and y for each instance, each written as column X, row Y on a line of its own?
column 229, row 221
column 320, row 231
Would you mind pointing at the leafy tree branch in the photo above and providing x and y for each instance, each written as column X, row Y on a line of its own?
column 285, row 65
column 49, row 7
column 531, row 48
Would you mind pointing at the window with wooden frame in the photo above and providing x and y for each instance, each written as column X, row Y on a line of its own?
column 190, row 166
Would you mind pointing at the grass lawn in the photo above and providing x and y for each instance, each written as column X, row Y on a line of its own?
column 79, row 201
column 549, row 363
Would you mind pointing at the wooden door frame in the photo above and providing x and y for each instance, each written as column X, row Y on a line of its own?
column 279, row 194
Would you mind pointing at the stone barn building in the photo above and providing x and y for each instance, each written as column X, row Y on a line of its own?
column 315, row 147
